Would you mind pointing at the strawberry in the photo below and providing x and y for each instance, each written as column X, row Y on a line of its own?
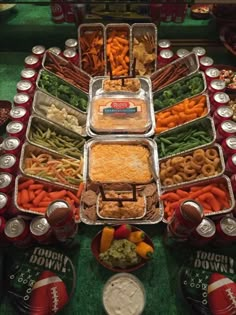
column 123, row 231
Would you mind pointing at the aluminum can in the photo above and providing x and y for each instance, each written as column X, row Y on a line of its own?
column 233, row 183
column 25, row 86
column 71, row 55
column 166, row 56
column 19, row 113
column 79, row 13
column 216, row 86
column 5, row 202
column 41, row 230
column 219, row 99
column 38, row 51
column 56, row 50
column 8, row 163
column 164, row 44
column 187, row 216
column 225, row 231
column 229, row 146
column 225, row 129
column 205, row 63
column 15, row 129
column 23, row 100
column 204, row 233
column 3, row 240
column 221, row 114
column 57, row 11
column 71, row 43
column 29, row 74
column 17, row 231
column 7, row 182
column 33, row 62
column 180, row 53
column 68, row 7
column 11, row 145
column 199, row 51
column 212, row 74
column 61, row 218
column 230, row 166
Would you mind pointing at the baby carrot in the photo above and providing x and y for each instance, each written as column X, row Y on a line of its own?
column 44, row 203
column 31, row 195
column 218, row 192
column 39, row 197
column 26, row 184
column 35, row 186
column 38, row 191
column 72, row 196
column 80, row 190
column 182, row 193
column 57, row 194
column 24, row 196
column 170, row 195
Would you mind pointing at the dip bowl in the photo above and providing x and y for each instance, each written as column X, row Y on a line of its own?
column 95, row 248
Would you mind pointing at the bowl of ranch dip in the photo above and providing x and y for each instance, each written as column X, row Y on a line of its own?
column 124, row 294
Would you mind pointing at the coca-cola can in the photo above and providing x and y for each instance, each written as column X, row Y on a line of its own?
column 187, row 216
column 29, row 75
column 233, row 183
column 164, row 44
column 5, row 202
column 19, row 113
column 79, row 13
column 225, row 231
column 71, row 43
column 33, row 62
column 230, row 166
column 68, row 7
column 17, row 231
column 38, row 51
column 71, row 55
column 3, row 240
column 7, row 182
column 11, row 145
column 204, row 233
column 199, row 51
column 212, row 74
column 225, row 129
column 57, row 11
column 23, row 100
column 219, row 99
column 216, row 86
column 61, row 218
column 166, row 56
column 221, row 114
column 205, row 63
column 180, row 53
column 56, row 50
column 15, row 129
column 229, row 146
column 25, row 86
column 8, row 163
column 41, row 230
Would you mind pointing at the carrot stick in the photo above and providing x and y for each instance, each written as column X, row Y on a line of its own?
column 57, row 194
column 72, row 196
column 80, row 190
column 26, row 184
column 39, row 197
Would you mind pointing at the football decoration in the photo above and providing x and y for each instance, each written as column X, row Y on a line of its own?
column 221, row 295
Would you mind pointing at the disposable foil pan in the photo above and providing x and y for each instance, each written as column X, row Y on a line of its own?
column 55, row 187
column 35, row 120
column 215, row 146
column 219, row 180
column 43, row 101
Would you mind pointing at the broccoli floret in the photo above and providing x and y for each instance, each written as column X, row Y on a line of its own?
column 74, row 100
column 83, row 104
column 64, row 89
column 167, row 93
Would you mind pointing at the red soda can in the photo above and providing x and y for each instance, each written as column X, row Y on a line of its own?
column 164, row 44
column 5, row 202
column 219, row 99
column 205, row 63
column 11, row 145
column 233, row 182
column 3, row 240
column 29, row 75
column 40, row 230
column 71, row 55
column 225, row 231
column 79, row 13
column 56, row 50
column 212, row 74
column 216, row 86
column 8, row 163
column 180, row 53
column 68, row 7
column 229, row 146
column 23, row 100
column 204, row 233
column 187, row 216
column 221, row 114
column 25, row 86
column 17, row 231
column 166, row 56
column 7, row 182
column 15, row 129
column 38, row 51
column 71, row 43
column 225, row 129
column 19, row 113
column 199, row 51
column 57, row 11
column 61, row 218
column 230, row 166
column 33, row 62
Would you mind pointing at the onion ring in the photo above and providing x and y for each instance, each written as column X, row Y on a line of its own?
column 208, row 170
column 195, row 166
column 189, row 170
column 178, row 178
column 199, row 158
column 177, row 160
column 188, row 176
column 170, row 171
column 163, row 165
column 168, row 163
column 211, row 154
column 180, row 167
column 216, row 164
column 168, row 181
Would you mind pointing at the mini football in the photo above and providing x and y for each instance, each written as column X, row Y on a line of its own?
column 49, row 294
column 221, row 295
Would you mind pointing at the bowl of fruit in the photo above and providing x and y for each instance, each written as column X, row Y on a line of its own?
column 228, row 74
column 122, row 248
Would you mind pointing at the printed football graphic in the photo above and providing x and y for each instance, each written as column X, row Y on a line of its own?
column 221, row 295
column 49, row 294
